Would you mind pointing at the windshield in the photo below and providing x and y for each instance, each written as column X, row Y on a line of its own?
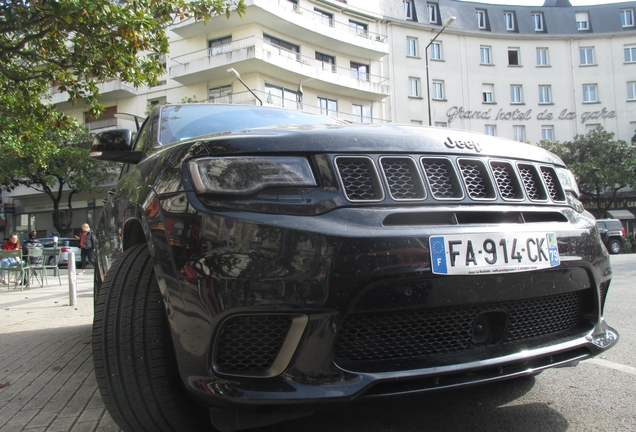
column 181, row 122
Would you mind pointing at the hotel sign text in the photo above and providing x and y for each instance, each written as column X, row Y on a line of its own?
column 519, row 115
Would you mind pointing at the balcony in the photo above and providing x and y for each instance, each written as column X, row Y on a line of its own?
column 247, row 98
column 303, row 24
column 255, row 54
column 109, row 91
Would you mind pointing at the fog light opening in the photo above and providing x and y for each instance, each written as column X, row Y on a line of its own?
column 489, row 328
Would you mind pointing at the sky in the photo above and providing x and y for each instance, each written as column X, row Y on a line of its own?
column 540, row 2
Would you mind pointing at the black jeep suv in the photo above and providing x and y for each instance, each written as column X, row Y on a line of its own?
column 612, row 233
column 256, row 263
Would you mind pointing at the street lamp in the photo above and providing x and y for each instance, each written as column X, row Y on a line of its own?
column 236, row 75
column 428, row 88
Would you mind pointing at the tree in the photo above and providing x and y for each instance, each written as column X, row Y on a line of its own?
column 601, row 165
column 71, row 167
column 72, row 46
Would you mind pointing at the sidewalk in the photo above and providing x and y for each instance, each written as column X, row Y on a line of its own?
column 46, row 365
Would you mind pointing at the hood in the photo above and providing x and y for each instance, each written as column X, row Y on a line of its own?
column 381, row 138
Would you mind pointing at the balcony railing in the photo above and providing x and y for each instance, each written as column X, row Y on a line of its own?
column 318, row 18
column 254, row 47
column 247, row 98
column 306, row 18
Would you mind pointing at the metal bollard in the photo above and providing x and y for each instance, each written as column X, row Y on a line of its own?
column 72, row 279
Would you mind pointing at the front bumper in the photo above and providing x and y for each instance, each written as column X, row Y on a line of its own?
column 286, row 310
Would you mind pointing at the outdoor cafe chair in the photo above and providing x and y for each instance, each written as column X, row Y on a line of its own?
column 21, row 267
column 35, row 259
column 50, row 262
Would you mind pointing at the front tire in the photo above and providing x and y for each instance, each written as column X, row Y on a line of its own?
column 614, row 247
column 135, row 365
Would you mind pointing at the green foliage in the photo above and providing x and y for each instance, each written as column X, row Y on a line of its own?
column 70, row 167
column 71, row 46
column 601, row 164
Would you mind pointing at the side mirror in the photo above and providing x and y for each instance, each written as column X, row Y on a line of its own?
column 115, row 145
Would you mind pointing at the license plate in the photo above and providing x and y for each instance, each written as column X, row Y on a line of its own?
column 493, row 253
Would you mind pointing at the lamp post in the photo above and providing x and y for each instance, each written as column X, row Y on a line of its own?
column 428, row 88
column 236, row 75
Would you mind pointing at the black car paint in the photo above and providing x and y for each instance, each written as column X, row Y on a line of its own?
column 217, row 257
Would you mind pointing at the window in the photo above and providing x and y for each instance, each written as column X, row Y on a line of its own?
column 481, row 19
column 327, row 62
column 537, row 21
column 358, row 28
column 488, row 93
column 545, row 94
column 324, row 17
column 630, row 54
column 484, row 54
column 161, row 58
column 409, row 11
column 631, row 91
column 360, row 71
column 542, row 57
column 519, row 133
column 627, row 17
column 328, row 107
column 582, row 21
column 440, row 124
column 587, row 56
column 589, row 93
column 438, row 90
column 513, row 57
column 431, row 9
column 281, row 96
column 361, row 113
column 411, row 47
column 509, row 17
column 490, row 130
column 220, row 46
column 293, row 4
column 436, row 51
column 220, row 94
column 516, row 94
column 283, row 48
column 547, row 133
column 414, row 87
column 107, row 119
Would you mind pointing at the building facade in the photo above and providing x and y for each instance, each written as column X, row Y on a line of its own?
column 525, row 73
column 520, row 72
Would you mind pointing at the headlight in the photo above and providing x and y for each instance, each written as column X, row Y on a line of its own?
column 248, row 174
column 568, row 182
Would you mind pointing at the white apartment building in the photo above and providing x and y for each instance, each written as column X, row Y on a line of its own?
column 525, row 73
column 520, row 72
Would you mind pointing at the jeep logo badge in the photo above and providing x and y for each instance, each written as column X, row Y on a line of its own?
column 469, row 145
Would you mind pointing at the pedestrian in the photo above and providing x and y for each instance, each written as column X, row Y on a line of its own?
column 87, row 246
column 31, row 244
column 12, row 243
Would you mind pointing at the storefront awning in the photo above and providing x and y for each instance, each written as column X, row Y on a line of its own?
column 621, row 214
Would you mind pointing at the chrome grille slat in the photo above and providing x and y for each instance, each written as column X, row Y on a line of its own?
column 476, row 179
column 359, row 178
column 531, row 182
column 442, row 178
column 552, row 184
column 506, row 179
column 402, row 178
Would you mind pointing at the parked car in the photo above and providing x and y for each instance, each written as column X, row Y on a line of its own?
column 612, row 233
column 273, row 262
column 65, row 245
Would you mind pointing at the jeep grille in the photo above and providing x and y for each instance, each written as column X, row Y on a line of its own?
column 413, row 178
